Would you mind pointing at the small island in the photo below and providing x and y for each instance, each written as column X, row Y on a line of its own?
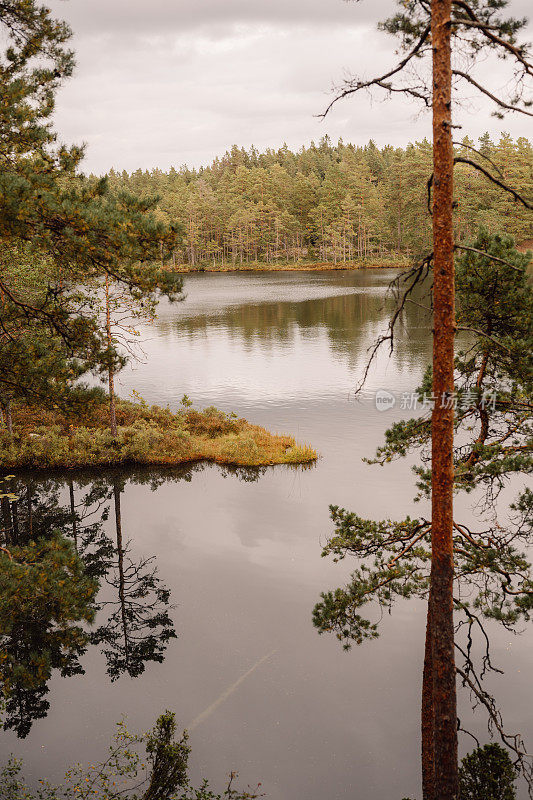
column 145, row 435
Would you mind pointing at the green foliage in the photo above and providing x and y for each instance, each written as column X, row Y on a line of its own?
column 381, row 575
column 45, row 598
column 168, row 759
column 493, row 376
column 60, row 232
column 123, row 772
column 328, row 202
column 493, row 442
column 488, row 774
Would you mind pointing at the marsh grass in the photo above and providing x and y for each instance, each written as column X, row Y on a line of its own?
column 148, row 435
column 309, row 266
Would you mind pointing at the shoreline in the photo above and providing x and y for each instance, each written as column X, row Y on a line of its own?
column 316, row 266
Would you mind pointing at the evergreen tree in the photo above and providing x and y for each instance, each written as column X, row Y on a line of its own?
column 75, row 225
column 487, row 774
column 494, row 440
column 333, row 203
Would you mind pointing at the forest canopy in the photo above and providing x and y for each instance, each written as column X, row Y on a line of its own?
column 331, row 202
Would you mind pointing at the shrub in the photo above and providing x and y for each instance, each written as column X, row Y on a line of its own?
column 241, row 449
column 212, row 422
column 488, row 774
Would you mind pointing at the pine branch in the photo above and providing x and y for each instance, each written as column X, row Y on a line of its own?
column 355, row 86
column 487, row 174
column 487, row 31
column 493, row 97
column 488, row 255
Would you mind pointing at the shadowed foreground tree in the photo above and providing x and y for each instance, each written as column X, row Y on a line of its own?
column 437, row 28
column 487, row 774
column 71, row 229
column 160, row 773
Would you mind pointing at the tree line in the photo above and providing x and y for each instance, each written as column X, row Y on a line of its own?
column 329, row 202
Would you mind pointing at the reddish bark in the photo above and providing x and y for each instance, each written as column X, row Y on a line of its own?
column 428, row 743
column 442, row 569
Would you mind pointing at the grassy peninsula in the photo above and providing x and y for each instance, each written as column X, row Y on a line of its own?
column 147, row 435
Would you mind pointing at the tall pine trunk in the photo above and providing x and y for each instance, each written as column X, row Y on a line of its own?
column 111, row 371
column 428, row 717
column 442, row 569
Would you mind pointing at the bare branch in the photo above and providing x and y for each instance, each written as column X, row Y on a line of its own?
column 486, row 173
column 418, row 273
column 481, row 155
column 493, row 97
column 512, row 741
column 355, row 86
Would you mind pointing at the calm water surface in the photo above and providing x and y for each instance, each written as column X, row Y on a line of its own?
column 240, row 554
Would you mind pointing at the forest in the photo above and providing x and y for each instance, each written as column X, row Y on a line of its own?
column 233, row 514
column 330, row 203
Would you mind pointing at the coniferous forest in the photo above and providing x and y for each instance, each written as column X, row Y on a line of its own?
column 182, row 456
column 330, row 203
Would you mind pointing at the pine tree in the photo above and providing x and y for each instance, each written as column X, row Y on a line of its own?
column 494, row 440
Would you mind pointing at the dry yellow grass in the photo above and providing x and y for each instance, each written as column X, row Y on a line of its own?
column 45, row 439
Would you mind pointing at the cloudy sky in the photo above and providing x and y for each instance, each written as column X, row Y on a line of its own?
column 171, row 82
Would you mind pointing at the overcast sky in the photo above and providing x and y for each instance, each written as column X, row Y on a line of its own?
column 171, row 82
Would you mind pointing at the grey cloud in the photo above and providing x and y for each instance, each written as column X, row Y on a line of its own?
column 165, row 16
column 164, row 83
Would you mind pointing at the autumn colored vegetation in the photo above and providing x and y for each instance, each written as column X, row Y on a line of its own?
column 49, row 438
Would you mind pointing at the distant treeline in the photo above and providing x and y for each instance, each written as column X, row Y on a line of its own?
column 331, row 202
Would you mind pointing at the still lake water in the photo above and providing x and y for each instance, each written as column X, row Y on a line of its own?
column 262, row 693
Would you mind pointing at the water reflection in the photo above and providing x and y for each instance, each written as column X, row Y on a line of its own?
column 240, row 551
column 350, row 308
column 62, row 572
column 45, row 597
column 137, row 624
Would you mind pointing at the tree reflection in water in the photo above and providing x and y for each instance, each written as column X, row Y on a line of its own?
column 65, row 585
column 138, row 625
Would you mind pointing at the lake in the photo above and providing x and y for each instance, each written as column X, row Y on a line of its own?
column 240, row 554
